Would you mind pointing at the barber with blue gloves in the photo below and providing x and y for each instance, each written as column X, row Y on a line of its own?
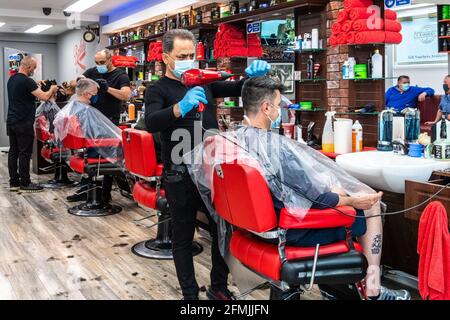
column 172, row 109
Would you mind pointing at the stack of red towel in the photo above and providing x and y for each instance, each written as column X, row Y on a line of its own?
column 124, row 61
column 356, row 25
column 231, row 41
column 155, row 50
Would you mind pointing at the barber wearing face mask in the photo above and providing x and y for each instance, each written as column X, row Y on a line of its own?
column 404, row 95
column 114, row 89
column 22, row 94
column 170, row 106
column 444, row 106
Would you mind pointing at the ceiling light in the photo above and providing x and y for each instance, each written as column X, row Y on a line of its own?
column 81, row 5
column 2, row 24
column 39, row 28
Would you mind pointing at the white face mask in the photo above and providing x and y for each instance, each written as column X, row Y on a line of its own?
column 274, row 124
column 182, row 66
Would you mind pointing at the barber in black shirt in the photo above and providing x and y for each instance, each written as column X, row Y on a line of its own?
column 169, row 106
column 114, row 90
column 22, row 94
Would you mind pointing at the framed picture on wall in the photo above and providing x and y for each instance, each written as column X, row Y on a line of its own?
column 285, row 72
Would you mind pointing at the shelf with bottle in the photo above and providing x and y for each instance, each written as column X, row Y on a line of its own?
column 310, row 80
column 368, row 79
column 309, row 51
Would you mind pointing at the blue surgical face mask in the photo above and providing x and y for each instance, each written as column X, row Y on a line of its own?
column 275, row 124
column 405, row 86
column 182, row 66
column 94, row 99
column 102, row 69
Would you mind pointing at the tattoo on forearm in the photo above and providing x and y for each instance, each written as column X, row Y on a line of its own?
column 377, row 244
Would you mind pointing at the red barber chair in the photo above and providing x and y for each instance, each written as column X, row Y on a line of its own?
column 92, row 168
column 53, row 153
column 140, row 161
column 241, row 197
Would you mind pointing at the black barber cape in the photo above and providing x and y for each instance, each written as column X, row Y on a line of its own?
column 22, row 107
column 110, row 106
column 165, row 93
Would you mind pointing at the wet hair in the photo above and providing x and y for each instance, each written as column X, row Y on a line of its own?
column 170, row 36
column 258, row 89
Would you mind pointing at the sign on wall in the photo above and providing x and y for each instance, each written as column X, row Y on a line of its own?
column 79, row 56
column 419, row 45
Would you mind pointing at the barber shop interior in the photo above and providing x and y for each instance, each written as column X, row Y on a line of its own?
column 260, row 150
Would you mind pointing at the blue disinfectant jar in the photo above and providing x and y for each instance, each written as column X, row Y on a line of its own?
column 415, row 150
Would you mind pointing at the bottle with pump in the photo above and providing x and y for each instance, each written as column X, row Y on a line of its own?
column 357, row 137
column 345, row 70
column 377, row 65
column 328, row 133
column 310, row 68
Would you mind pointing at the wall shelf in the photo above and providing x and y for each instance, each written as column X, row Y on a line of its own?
column 136, row 43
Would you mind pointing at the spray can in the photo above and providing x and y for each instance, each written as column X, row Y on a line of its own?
column 328, row 133
column 357, row 137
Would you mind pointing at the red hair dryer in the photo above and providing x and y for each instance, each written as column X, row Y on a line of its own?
column 200, row 77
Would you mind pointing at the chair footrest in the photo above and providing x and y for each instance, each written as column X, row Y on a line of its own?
column 349, row 267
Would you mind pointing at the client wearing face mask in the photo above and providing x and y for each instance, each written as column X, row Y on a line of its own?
column 172, row 109
column 444, row 106
column 403, row 95
column 114, row 89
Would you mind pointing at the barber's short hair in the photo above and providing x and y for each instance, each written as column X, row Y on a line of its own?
column 170, row 36
column 107, row 53
column 27, row 61
column 258, row 89
column 84, row 85
column 402, row 77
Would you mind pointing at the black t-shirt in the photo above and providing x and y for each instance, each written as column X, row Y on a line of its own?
column 164, row 94
column 107, row 104
column 22, row 106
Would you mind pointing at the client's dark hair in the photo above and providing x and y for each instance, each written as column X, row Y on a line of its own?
column 258, row 89
column 402, row 77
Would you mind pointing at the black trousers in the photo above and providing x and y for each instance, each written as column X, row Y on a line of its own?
column 184, row 202
column 21, row 140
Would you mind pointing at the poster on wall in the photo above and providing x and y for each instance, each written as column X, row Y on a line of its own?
column 285, row 72
column 79, row 56
column 15, row 56
column 420, row 42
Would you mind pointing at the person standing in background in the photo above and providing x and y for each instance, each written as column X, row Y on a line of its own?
column 22, row 94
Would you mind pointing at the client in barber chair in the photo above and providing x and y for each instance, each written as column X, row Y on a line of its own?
column 300, row 177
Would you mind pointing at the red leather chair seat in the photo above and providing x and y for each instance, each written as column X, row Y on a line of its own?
column 46, row 154
column 428, row 110
column 77, row 164
column 264, row 258
column 145, row 194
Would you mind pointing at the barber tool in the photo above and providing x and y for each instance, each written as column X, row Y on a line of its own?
column 200, row 77
column 385, row 130
column 312, row 139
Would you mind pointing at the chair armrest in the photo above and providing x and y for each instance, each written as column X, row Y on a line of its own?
column 318, row 219
column 101, row 143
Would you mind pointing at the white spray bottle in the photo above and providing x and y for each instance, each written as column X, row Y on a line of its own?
column 328, row 133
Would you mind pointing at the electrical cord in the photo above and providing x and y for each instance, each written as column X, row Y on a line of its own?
column 301, row 193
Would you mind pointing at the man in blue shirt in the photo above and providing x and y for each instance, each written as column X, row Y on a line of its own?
column 403, row 95
column 444, row 106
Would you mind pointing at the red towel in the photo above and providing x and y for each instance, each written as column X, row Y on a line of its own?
column 433, row 246
column 348, row 4
column 359, row 13
column 368, row 24
column 236, row 52
column 333, row 41
column 370, row 37
column 351, row 37
column 392, row 25
column 390, row 14
column 255, row 51
column 336, row 28
column 393, row 37
column 342, row 38
column 342, row 16
column 347, row 26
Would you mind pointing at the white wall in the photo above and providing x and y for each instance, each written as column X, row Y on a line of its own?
column 45, row 45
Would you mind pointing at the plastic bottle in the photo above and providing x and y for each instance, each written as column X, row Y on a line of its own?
column 200, row 51
column 131, row 112
column 300, row 43
column 345, row 70
column 310, row 68
column 328, row 133
column 351, row 68
column 377, row 65
column 357, row 137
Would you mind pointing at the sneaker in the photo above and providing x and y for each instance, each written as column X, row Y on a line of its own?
column 31, row 188
column 389, row 294
column 219, row 294
column 14, row 187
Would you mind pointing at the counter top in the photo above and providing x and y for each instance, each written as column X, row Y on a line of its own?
column 388, row 171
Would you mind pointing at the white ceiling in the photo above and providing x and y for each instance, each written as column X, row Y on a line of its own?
column 20, row 15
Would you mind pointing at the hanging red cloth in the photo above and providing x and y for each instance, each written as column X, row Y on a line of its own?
column 434, row 249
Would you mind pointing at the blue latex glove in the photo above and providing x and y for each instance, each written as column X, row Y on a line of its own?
column 192, row 99
column 258, row 68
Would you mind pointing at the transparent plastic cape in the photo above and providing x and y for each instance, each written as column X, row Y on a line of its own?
column 101, row 136
column 295, row 173
column 45, row 115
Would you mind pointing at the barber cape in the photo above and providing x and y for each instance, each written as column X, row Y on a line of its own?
column 295, row 173
column 80, row 120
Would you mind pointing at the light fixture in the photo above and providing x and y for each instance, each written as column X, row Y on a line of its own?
column 2, row 24
column 39, row 28
column 81, row 5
